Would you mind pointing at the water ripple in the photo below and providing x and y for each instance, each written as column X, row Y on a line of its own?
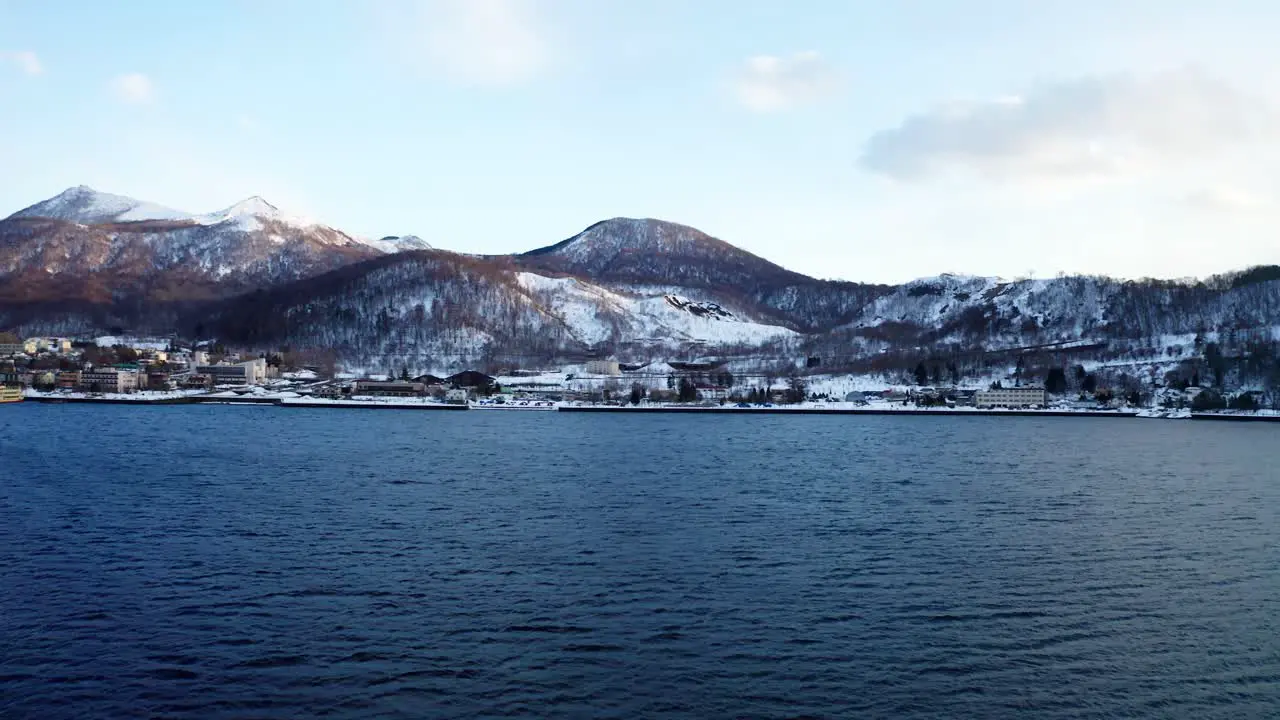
column 492, row 565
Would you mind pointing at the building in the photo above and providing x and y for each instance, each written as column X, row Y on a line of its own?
column 390, row 388
column 16, row 377
column 1019, row 397
column 158, row 380
column 47, row 344
column 108, row 380
column 252, row 372
column 68, row 379
column 470, row 379
column 457, row 396
column 191, row 381
column 7, row 349
column 603, row 367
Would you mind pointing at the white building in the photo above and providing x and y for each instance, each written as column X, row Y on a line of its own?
column 603, row 367
column 252, row 372
column 1018, row 397
column 108, row 380
column 47, row 344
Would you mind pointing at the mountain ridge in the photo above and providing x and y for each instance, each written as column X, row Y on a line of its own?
column 624, row 287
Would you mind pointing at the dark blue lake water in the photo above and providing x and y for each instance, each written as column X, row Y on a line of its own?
column 225, row 562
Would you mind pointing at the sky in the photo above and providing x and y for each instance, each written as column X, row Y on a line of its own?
column 856, row 140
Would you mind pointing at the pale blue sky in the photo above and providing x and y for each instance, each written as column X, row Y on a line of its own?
column 859, row 140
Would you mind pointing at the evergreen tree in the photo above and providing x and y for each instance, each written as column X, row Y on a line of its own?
column 922, row 375
column 796, row 390
column 1056, row 381
column 1217, row 363
column 1090, row 383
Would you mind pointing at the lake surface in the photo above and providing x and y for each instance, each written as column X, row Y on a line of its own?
column 233, row 562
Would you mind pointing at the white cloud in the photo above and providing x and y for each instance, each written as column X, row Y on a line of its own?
column 1103, row 126
column 1225, row 198
column 768, row 83
column 481, row 42
column 133, row 88
column 26, row 61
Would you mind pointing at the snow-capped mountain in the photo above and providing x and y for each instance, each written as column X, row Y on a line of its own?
column 84, row 205
column 110, row 256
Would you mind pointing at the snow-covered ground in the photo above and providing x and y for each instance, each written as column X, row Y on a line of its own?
column 132, row 342
column 302, row 375
column 140, row 396
column 366, row 401
column 869, row 408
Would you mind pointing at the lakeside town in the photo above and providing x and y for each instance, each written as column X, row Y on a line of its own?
column 167, row 371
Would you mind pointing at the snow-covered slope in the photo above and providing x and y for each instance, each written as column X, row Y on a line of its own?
column 441, row 309
column 596, row 315
column 992, row 312
column 628, row 253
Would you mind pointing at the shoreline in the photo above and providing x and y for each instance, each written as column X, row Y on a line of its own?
column 365, row 404
column 784, row 410
column 404, row 404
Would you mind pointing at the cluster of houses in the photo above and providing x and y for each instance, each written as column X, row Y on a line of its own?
column 56, row 363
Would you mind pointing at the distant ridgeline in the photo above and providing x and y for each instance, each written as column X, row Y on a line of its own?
column 637, row 290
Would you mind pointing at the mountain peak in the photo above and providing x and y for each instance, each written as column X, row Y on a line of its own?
column 249, row 213
column 650, row 252
column 86, row 206
column 253, row 205
column 399, row 243
column 626, row 235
